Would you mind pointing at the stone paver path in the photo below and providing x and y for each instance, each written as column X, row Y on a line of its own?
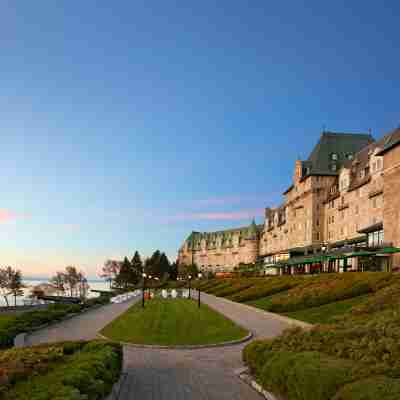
column 201, row 374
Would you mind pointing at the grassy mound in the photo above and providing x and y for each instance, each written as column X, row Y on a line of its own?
column 61, row 371
column 172, row 322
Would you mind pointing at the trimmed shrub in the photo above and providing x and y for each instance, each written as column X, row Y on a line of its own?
column 305, row 376
column 236, row 287
column 254, row 355
column 266, row 288
column 87, row 374
column 375, row 388
column 328, row 289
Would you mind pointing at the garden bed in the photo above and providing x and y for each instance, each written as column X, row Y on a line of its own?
column 67, row 371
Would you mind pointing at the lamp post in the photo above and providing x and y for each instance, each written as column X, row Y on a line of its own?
column 190, row 279
column 143, row 288
column 198, row 291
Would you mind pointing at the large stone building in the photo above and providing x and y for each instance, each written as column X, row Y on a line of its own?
column 222, row 250
column 333, row 214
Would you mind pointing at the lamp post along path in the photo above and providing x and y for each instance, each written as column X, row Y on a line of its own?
column 143, row 288
column 198, row 291
column 190, row 278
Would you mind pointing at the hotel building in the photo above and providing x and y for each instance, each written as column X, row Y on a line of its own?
column 340, row 213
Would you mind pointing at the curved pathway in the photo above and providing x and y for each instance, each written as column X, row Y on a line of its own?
column 202, row 374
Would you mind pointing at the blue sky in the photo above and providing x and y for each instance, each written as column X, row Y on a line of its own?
column 125, row 126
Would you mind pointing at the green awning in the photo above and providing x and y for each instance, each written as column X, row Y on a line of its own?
column 360, row 254
column 388, row 250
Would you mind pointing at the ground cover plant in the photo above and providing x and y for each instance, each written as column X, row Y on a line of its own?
column 67, row 371
column 172, row 322
column 355, row 358
column 13, row 324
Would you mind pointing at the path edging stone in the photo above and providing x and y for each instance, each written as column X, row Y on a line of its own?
column 245, row 376
column 182, row 347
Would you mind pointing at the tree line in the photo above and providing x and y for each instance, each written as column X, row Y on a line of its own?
column 127, row 273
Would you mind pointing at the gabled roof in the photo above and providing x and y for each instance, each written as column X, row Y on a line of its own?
column 391, row 140
column 342, row 144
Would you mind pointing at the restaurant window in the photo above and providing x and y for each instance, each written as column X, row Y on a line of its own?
column 375, row 239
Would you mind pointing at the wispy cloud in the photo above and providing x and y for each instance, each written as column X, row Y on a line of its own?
column 7, row 216
column 262, row 198
column 216, row 216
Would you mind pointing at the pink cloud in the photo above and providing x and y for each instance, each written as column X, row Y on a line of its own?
column 217, row 216
column 7, row 215
column 236, row 199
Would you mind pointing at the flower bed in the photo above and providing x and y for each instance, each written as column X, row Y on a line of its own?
column 68, row 371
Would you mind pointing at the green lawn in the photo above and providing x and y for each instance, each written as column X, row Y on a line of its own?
column 326, row 314
column 172, row 322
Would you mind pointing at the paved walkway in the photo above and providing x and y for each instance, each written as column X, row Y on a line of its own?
column 82, row 327
column 204, row 374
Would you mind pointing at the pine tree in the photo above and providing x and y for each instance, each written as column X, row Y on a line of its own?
column 137, row 266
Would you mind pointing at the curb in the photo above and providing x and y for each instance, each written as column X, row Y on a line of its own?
column 182, row 347
column 282, row 318
column 245, row 376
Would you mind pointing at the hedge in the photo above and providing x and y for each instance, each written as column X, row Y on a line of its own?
column 267, row 287
column 375, row 388
column 87, row 374
column 328, row 289
column 32, row 319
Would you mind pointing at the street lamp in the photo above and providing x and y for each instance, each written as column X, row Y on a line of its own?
column 198, row 290
column 190, row 279
column 143, row 288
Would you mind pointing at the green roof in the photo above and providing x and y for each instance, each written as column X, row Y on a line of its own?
column 392, row 140
column 342, row 144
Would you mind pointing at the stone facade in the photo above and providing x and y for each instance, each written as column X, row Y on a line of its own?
column 222, row 250
column 347, row 192
column 391, row 190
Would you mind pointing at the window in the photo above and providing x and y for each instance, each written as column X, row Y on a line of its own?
column 334, row 156
column 374, row 202
column 333, row 167
column 357, row 209
column 317, row 222
column 342, row 231
column 375, row 239
column 317, row 236
column 362, row 174
column 349, row 156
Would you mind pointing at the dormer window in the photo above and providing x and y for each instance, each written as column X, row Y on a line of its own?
column 334, row 157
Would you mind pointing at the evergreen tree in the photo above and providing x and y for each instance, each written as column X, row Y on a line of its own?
column 164, row 265
column 173, row 271
column 124, row 276
column 137, row 266
column 153, row 264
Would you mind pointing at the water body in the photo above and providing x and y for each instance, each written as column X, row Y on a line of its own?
column 93, row 284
